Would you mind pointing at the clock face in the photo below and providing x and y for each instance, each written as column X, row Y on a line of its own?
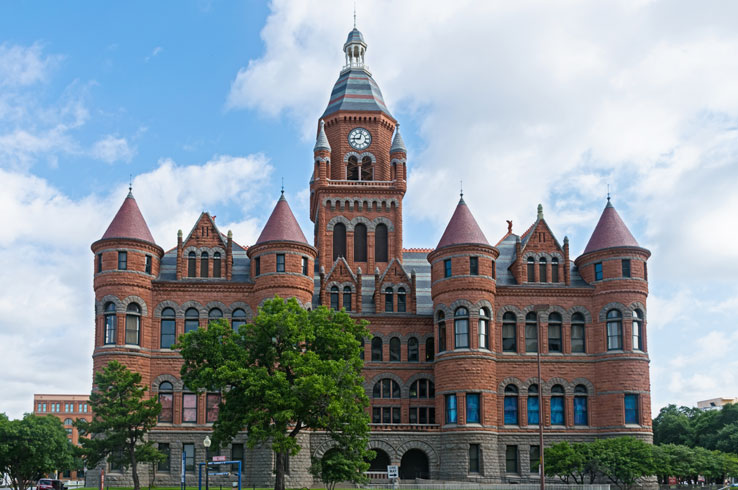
column 359, row 138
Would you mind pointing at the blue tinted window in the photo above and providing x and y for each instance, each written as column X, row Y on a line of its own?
column 472, row 408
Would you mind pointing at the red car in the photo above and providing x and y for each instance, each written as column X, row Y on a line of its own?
column 48, row 484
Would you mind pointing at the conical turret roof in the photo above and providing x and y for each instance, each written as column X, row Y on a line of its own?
column 610, row 232
column 462, row 228
column 398, row 144
column 321, row 142
column 129, row 223
column 282, row 225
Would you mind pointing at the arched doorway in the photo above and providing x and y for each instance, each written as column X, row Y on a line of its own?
column 414, row 464
column 380, row 461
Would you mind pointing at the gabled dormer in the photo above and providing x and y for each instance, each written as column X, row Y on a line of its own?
column 205, row 253
column 394, row 290
column 540, row 258
column 341, row 288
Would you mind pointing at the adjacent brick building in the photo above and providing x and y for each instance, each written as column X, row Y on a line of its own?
column 451, row 366
column 68, row 409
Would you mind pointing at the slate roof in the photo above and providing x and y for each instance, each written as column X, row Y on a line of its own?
column 282, row 225
column 398, row 144
column 462, row 228
column 355, row 36
column 321, row 142
column 610, row 232
column 356, row 90
column 129, row 223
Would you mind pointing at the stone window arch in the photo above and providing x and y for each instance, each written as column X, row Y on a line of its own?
column 133, row 324
column 413, row 350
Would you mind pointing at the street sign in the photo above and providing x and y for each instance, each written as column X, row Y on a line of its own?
column 219, row 458
column 393, row 471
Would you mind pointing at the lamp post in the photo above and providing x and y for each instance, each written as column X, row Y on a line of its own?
column 206, row 442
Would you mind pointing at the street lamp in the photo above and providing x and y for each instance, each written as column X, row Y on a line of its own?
column 206, row 442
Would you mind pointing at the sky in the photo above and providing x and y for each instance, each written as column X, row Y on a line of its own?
column 211, row 105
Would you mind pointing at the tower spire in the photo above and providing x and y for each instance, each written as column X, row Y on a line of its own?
column 354, row 14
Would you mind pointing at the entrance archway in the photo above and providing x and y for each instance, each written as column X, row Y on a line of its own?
column 414, row 464
column 380, row 461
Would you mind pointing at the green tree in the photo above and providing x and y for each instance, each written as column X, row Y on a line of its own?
column 32, row 447
column 289, row 370
column 624, row 460
column 337, row 466
column 575, row 461
column 122, row 418
column 673, row 426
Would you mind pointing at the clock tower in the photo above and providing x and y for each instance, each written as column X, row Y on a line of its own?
column 359, row 176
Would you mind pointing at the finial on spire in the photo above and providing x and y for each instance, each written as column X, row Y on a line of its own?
column 540, row 211
column 608, row 192
column 354, row 14
column 130, row 185
column 283, row 186
column 461, row 189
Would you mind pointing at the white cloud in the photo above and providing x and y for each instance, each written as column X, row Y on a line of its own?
column 154, row 53
column 111, row 149
column 24, row 65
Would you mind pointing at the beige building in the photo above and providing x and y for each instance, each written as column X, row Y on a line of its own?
column 715, row 403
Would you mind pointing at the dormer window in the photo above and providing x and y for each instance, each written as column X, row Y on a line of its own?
column 554, row 270
column 204, row 264
column 542, row 264
column 216, row 264
column 191, row 264
column 531, row 269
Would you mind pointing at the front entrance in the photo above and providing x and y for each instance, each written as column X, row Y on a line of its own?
column 414, row 464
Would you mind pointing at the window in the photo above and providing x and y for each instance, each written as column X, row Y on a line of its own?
column 353, row 169
column 450, row 409
column 531, row 269
column 191, row 264
column 441, row 331
column 580, row 405
column 238, row 318
column 386, row 415
column 166, row 399
column 257, row 266
column 542, row 264
column 122, row 261
column 534, row 407
column 347, row 298
column 83, row 407
column 637, row 330
column 625, row 265
column 472, row 408
column 165, row 463
column 339, row 240
column 147, row 267
column 212, row 406
column 388, row 302
column 68, row 421
column 531, row 332
column 461, row 328
column 631, row 409
column 189, row 408
column 280, row 262
column 554, row 332
column 237, row 455
column 360, row 243
column 216, row 264
column 110, row 323
column 304, row 266
column 204, row 264
column 430, row 349
column 511, row 405
column 509, row 325
column 381, row 243
column 494, row 270
column 422, row 415
column 554, row 270
column 557, row 405
column 386, row 388
column 534, row 456
column 401, row 301
column 422, row 388
column 133, row 324
column 577, row 333
column 511, row 459
column 614, row 330
column 189, row 451
column 473, row 458
column 99, row 262
column 168, row 328
column 192, row 320
column 447, row 268
column 334, row 297
column 412, row 349
column 645, row 271
column 474, row 266
column 598, row 271
column 376, row 349
column 483, row 328
column 394, row 349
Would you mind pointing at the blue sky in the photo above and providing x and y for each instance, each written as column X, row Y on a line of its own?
column 208, row 105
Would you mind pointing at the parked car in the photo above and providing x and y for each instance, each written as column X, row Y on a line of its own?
column 49, row 484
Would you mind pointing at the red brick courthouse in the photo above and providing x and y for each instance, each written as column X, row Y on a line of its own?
column 451, row 365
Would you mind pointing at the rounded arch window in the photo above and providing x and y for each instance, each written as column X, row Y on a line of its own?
column 238, row 318
column 542, row 264
column 388, row 300
column 360, row 243
column 577, row 333
column 401, row 301
column 68, row 421
column 347, row 298
column 511, row 405
column 191, row 264
column 555, row 342
column 412, row 349
column 614, row 330
column 441, row 331
column 204, row 264
column 216, row 264
column 215, row 313
column 395, row 348
column 461, row 328
column 580, row 405
column 376, row 349
column 509, row 334
column 386, row 388
column 531, row 332
column 557, row 405
column 637, row 329
column 192, row 319
column 110, row 323
column 353, row 169
column 168, row 328
column 531, row 269
column 381, row 242
column 533, row 405
column 430, row 349
column 166, row 399
column 165, row 386
column 554, row 269
column 483, row 326
column 133, row 324
column 339, row 240
column 334, row 297
column 422, row 388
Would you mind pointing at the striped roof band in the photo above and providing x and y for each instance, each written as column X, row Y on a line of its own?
column 356, row 90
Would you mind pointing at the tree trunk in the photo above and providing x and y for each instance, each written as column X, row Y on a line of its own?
column 279, row 476
column 134, row 470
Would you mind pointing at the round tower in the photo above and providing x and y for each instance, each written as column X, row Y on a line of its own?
column 282, row 261
column 616, row 266
column 126, row 261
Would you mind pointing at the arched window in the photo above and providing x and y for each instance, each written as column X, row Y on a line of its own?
column 637, row 330
column 580, row 405
column 334, row 297
column 531, row 332
column 430, row 349
column 441, row 331
column 367, row 170
column 577, row 333
column 412, row 349
column 238, row 318
column 554, row 332
column 192, row 319
column 204, row 264
column 381, row 243
column 554, row 270
column 401, row 301
column 557, row 405
column 483, row 328
column 386, row 388
column 110, row 323
column 353, row 169
column 395, row 349
column 376, row 349
column 216, row 264
column 542, row 276
column 461, row 328
column 509, row 336
column 511, row 405
column 214, row 314
column 168, row 328
column 614, row 330
column 531, row 269
column 339, row 240
column 166, row 399
column 347, row 298
column 133, row 324
column 191, row 264
column 422, row 388
column 388, row 303
column 534, row 406
column 360, row 243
